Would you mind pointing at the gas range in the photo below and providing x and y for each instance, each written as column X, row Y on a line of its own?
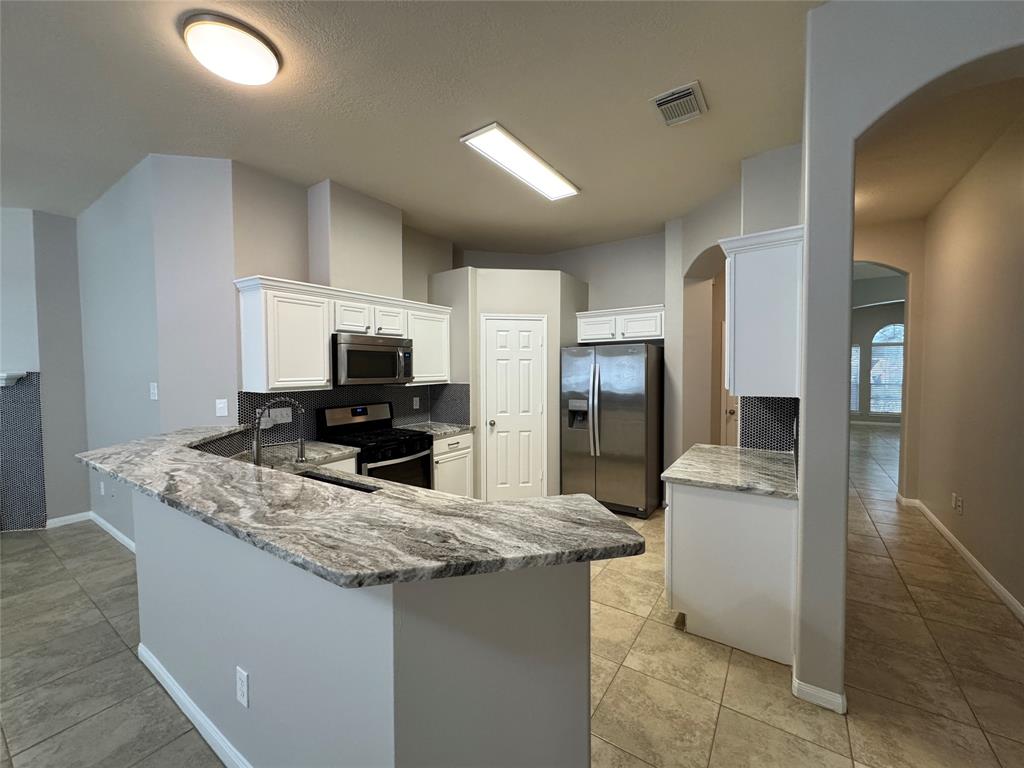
column 387, row 452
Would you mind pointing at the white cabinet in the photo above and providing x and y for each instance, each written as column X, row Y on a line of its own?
column 286, row 340
column 342, row 465
column 763, row 279
column 629, row 324
column 286, row 329
column 352, row 317
column 389, row 321
column 453, row 465
column 429, row 331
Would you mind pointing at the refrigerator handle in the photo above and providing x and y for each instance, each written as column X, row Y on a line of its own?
column 590, row 411
column 596, row 419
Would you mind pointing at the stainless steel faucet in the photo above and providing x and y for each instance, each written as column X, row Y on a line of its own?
column 257, row 437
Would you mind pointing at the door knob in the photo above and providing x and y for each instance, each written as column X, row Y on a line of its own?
column 492, row 422
column 731, row 411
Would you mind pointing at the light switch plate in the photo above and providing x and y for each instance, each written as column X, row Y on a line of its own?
column 154, row 391
column 221, row 407
column 242, row 687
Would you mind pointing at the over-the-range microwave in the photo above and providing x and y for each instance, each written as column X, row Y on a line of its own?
column 371, row 359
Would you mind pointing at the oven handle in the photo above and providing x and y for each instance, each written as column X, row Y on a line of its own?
column 374, row 465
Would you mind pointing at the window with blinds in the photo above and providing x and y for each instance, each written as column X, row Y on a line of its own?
column 855, row 378
column 887, row 370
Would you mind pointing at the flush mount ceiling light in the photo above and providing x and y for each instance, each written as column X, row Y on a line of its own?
column 501, row 147
column 231, row 49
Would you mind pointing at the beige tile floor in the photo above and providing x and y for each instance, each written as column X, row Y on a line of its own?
column 935, row 663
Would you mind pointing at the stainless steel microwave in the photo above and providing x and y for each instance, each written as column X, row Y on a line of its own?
column 371, row 359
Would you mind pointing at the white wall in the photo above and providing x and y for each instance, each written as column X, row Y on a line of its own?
column 193, row 249
column 19, row 338
column 119, row 325
column 880, row 52
column 422, row 256
column 624, row 273
column 355, row 241
column 62, row 375
column 770, row 189
column 271, row 225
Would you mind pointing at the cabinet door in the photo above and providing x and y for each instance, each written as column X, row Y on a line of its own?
column 298, row 341
column 430, row 346
column 595, row 328
column 388, row 321
column 453, row 473
column 352, row 317
column 763, row 317
column 642, row 325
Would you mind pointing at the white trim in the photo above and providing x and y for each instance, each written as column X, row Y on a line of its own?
column 213, row 736
column 1002, row 592
column 482, row 374
column 758, row 240
column 79, row 517
column 827, row 699
column 257, row 282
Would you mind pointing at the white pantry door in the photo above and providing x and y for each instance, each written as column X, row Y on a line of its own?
column 513, row 406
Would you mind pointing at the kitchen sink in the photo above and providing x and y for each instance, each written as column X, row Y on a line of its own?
column 324, row 477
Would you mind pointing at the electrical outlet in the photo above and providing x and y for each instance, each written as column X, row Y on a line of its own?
column 960, row 505
column 103, row 488
column 415, row 403
column 952, row 501
column 221, row 407
column 242, row 687
column 154, row 391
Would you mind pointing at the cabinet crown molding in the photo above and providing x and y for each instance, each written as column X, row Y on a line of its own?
column 740, row 243
column 621, row 310
column 256, row 282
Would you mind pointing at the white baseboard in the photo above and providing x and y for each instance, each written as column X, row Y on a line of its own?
column 218, row 742
column 827, row 699
column 124, row 541
column 1002, row 592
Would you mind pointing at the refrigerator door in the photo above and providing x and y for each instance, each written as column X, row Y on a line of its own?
column 576, row 420
column 621, row 425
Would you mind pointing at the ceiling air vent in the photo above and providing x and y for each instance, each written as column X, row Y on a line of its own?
column 681, row 104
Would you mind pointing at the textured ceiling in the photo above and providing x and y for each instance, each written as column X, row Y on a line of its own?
column 910, row 159
column 375, row 96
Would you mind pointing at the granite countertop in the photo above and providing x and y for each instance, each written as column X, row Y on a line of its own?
column 765, row 473
column 276, row 456
column 440, row 429
column 356, row 539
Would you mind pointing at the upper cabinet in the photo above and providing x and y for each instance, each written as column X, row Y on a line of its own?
column 763, row 278
column 287, row 327
column 631, row 324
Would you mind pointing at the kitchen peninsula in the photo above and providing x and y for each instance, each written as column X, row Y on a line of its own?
column 299, row 622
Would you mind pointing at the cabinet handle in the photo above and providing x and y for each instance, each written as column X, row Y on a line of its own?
column 622, row 334
column 437, row 461
column 367, row 329
column 454, row 445
column 612, row 334
column 380, row 328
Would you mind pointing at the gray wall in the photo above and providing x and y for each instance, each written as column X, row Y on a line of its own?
column 865, row 322
column 19, row 340
column 971, row 405
column 119, row 326
column 861, row 48
column 624, row 273
column 422, row 256
column 878, row 290
column 62, row 379
column 770, row 189
column 271, row 226
column 193, row 242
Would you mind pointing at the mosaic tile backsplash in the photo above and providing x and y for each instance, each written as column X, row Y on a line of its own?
column 22, row 492
column 768, row 423
column 438, row 402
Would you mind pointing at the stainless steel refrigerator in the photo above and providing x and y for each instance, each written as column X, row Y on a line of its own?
column 611, row 425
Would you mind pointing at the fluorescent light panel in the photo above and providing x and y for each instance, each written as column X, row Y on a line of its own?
column 501, row 147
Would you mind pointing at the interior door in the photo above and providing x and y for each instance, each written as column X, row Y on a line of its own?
column 513, row 397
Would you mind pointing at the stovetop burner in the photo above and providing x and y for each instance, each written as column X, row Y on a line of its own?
column 369, row 428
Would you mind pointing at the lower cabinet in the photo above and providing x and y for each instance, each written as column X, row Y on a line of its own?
column 453, row 465
column 342, row 465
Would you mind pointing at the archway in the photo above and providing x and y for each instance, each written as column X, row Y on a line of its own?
column 863, row 50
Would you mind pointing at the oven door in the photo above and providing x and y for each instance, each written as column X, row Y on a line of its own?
column 409, row 470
